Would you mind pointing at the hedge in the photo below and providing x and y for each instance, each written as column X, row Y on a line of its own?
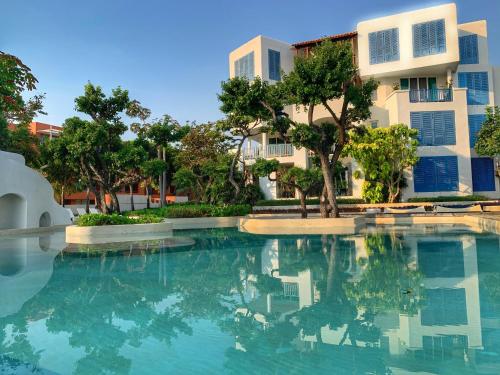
column 296, row 202
column 194, row 210
column 465, row 198
column 91, row 220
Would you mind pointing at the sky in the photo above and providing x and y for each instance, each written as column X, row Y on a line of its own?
column 173, row 55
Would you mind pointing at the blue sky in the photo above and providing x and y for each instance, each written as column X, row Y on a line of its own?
column 172, row 55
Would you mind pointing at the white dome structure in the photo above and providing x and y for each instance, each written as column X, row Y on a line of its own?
column 26, row 197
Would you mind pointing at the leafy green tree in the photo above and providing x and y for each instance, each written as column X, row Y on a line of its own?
column 303, row 180
column 488, row 138
column 57, row 165
column 151, row 169
column 162, row 133
column 15, row 79
column 383, row 154
column 96, row 145
column 329, row 74
column 247, row 108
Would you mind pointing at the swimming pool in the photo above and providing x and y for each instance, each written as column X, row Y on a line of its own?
column 388, row 301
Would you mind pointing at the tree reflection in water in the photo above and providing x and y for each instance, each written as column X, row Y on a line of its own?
column 291, row 303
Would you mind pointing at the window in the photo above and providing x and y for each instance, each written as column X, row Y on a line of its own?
column 477, row 87
column 444, row 307
column 437, row 173
column 274, row 58
column 244, row 67
column 483, row 174
column 384, row 46
column 374, row 124
column 441, row 259
column 475, row 123
column 434, row 128
column 468, row 49
column 429, row 38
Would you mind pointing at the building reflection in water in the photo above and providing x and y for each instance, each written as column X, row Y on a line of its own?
column 435, row 310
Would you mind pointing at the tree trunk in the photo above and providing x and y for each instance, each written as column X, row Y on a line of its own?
column 164, row 178
column 131, row 190
column 102, row 198
column 232, row 169
column 148, row 196
column 114, row 200
column 160, row 179
column 329, row 183
column 323, row 203
column 62, row 195
column 303, row 207
column 87, row 200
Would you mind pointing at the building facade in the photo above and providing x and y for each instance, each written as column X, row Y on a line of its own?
column 434, row 76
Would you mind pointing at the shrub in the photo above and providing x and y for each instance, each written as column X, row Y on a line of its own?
column 91, row 220
column 296, row 202
column 185, row 210
column 465, row 198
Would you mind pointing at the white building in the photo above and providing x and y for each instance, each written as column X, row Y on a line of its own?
column 434, row 76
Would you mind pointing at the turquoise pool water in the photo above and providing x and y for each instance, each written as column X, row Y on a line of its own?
column 424, row 300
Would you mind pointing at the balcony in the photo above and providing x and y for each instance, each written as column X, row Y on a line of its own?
column 271, row 151
column 431, row 95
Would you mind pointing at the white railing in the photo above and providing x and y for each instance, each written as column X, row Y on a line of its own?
column 279, row 150
column 290, row 290
column 271, row 151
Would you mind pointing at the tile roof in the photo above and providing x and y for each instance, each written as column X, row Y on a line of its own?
column 343, row 36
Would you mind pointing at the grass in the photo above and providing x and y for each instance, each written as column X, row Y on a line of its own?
column 296, row 202
column 92, row 220
column 194, row 210
column 465, row 198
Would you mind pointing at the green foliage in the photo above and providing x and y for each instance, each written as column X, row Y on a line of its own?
column 250, row 194
column 263, row 167
column 303, row 179
column 195, row 210
column 488, row 138
column 91, row 220
column 450, row 198
column 383, row 154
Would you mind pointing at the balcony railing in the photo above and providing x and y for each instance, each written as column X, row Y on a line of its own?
column 271, row 151
column 431, row 95
column 279, row 150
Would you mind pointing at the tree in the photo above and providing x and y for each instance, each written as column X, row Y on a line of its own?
column 383, row 154
column 15, row 79
column 57, row 165
column 303, row 180
column 488, row 138
column 162, row 133
column 329, row 74
column 247, row 105
column 96, row 145
column 151, row 169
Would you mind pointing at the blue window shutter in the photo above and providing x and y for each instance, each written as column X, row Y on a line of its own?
column 449, row 126
column 439, row 128
column 435, row 174
column 468, row 49
column 274, row 65
column 423, row 176
column 483, row 174
column 441, row 36
column 427, row 129
column 475, row 123
column 477, row 87
column 372, row 41
column 429, row 38
column 383, row 46
column 416, row 123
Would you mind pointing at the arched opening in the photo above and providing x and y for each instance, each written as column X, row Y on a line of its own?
column 45, row 220
column 12, row 212
column 13, row 256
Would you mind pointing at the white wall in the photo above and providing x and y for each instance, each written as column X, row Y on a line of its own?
column 404, row 22
column 25, row 195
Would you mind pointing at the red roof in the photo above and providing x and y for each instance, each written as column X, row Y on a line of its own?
column 336, row 37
